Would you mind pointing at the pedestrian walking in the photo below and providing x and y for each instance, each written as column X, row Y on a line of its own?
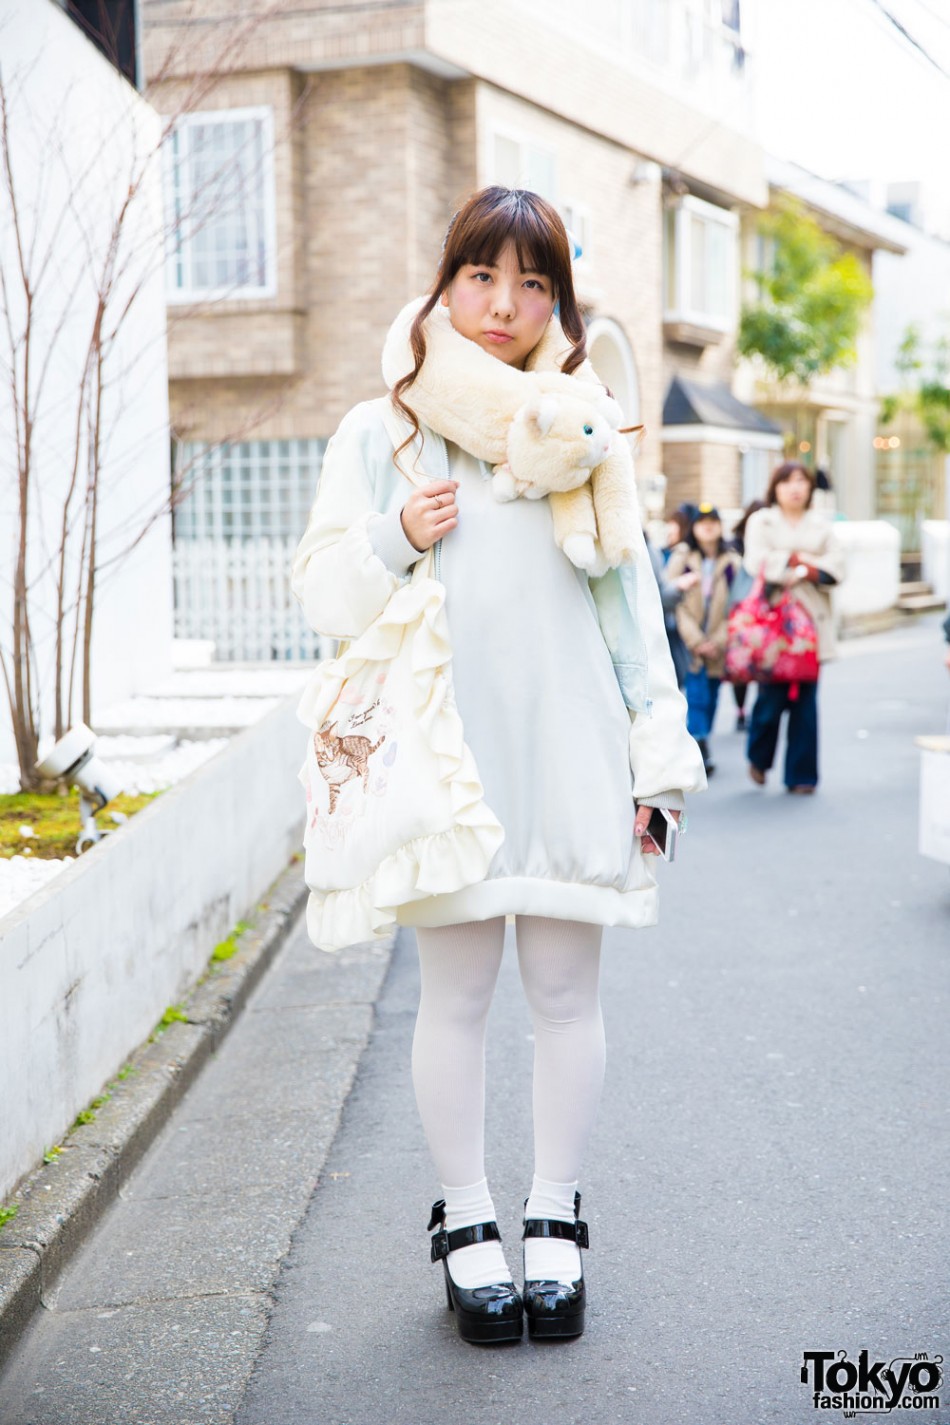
column 671, row 591
column 741, row 586
column 677, row 528
column 796, row 548
column 555, row 709
column 702, row 617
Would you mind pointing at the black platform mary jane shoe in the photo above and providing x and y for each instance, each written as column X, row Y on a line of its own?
column 483, row 1314
column 552, row 1308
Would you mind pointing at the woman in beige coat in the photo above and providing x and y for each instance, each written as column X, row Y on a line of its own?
column 796, row 548
column 702, row 618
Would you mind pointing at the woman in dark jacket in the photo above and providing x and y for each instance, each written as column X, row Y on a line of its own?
column 702, row 617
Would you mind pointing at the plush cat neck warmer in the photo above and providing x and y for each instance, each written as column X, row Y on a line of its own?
column 471, row 398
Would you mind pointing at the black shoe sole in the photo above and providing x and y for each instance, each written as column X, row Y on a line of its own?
column 549, row 1328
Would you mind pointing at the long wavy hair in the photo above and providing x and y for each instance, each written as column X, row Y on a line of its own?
column 477, row 233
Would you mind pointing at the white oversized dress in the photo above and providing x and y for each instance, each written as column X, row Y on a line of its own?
column 554, row 748
column 544, row 718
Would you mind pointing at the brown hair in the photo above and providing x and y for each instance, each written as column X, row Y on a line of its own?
column 682, row 521
column 477, row 233
column 782, row 472
column 738, row 534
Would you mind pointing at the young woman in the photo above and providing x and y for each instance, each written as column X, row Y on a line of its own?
column 571, row 716
column 796, row 547
column 702, row 617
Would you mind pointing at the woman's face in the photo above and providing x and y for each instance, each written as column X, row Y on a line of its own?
column 793, row 493
column 499, row 307
column 708, row 532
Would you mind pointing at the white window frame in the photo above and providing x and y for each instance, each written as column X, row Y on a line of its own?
column 577, row 218
column 684, row 209
column 525, row 142
column 232, row 292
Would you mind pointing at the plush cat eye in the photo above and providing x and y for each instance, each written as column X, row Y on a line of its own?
column 588, row 430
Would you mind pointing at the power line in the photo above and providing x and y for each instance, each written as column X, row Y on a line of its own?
column 908, row 38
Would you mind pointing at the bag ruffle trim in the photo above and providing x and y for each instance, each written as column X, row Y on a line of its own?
column 449, row 858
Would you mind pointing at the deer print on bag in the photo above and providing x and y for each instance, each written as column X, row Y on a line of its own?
column 340, row 759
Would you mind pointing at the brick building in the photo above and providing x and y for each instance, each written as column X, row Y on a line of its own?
column 311, row 186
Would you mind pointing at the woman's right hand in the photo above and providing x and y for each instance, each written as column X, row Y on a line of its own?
column 429, row 513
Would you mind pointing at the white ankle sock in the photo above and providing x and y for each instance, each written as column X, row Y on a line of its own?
column 482, row 1264
column 550, row 1258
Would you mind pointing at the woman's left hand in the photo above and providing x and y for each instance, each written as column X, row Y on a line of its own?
column 647, row 845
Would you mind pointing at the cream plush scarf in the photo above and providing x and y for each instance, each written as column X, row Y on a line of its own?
column 479, row 403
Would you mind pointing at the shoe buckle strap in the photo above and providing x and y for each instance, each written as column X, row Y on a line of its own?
column 438, row 1215
column 550, row 1227
column 445, row 1242
column 440, row 1246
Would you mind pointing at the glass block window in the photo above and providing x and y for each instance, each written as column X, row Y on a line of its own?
column 236, row 530
column 219, row 197
column 245, row 490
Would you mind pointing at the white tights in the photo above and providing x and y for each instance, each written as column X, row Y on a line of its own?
column 559, row 962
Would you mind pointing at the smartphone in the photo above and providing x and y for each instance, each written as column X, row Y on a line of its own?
column 663, row 831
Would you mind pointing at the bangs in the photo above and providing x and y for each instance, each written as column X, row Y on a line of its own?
column 512, row 215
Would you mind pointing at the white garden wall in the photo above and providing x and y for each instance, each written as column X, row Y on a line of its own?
column 79, row 136
column 873, row 579
column 935, row 556
column 89, row 964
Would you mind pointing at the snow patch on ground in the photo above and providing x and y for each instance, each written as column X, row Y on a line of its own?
column 20, row 876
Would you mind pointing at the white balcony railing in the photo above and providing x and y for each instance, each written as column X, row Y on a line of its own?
column 683, row 46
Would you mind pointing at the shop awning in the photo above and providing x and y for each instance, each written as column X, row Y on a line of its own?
column 691, row 402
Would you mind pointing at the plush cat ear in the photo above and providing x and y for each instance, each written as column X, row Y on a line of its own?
column 540, row 413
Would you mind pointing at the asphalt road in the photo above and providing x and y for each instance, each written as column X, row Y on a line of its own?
column 769, row 1172
column 768, row 1175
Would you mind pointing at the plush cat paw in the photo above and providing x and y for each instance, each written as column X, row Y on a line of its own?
column 503, row 485
column 581, row 551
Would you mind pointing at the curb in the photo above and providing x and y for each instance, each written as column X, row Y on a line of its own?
column 62, row 1201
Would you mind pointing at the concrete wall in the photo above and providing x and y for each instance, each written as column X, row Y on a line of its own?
column 872, row 582
column 89, row 964
column 910, row 290
column 79, row 136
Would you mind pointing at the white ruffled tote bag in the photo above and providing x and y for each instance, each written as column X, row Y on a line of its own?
column 395, row 808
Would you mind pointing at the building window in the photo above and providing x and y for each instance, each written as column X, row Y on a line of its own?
column 517, row 162
column 700, row 264
column 219, row 184
column 241, row 517
column 577, row 220
column 246, row 490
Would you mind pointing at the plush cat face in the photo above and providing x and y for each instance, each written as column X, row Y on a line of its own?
column 556, row 441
